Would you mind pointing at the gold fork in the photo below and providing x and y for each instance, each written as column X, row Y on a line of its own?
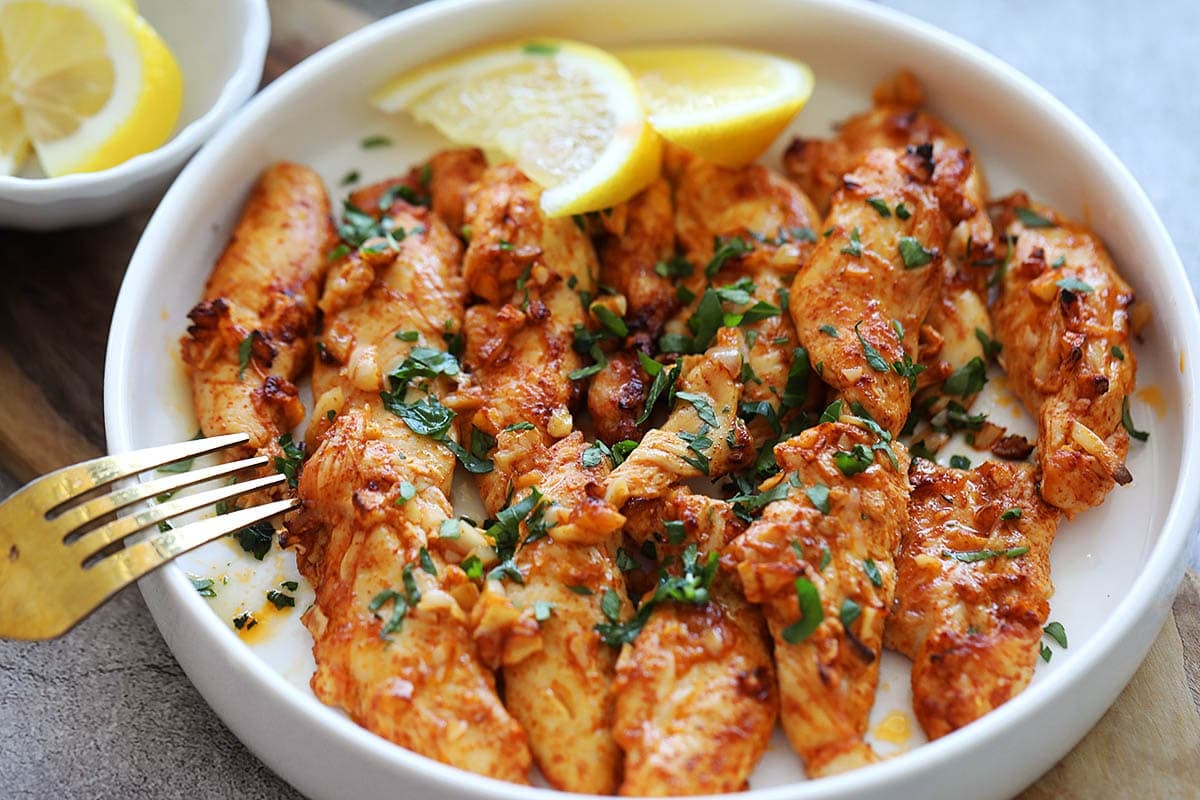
column 55, row 569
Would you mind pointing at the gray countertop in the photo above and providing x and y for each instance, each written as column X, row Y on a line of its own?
column 106, row 711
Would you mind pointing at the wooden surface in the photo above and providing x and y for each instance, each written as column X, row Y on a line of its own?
column 54, row 317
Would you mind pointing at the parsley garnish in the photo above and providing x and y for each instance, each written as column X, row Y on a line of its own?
column 1031, row 219
column 819, row 495
column 401, row 603
column 610, row 321
column 991, row 348
column 829, row 330
column 1074, row 285
column 181, row 466
column 426, row 562
column 879, row 205
column 811, row 613
column 372, row 142
column 204, row 586
column 855, row 246
column 281, row 600
column 663, row 379
column 1012, row 513
column 245, row 347
column 849, row 612
column 539, row 49
column 1117, row 353
column 256, row 539
column 735, row 247
column 872, row 571
column 914, row 253
column 967, row 379
column 675, row 267
column 874, row 359
column 350, row 177
column 703, row 407
column 826, row 557
column 971, row 556
column 960, row 462
column 697, row 443
column 690, row 587
column 289, row 463
column 1057, row 632
column 1127, row 423
column 902, row 211
column 859, row 459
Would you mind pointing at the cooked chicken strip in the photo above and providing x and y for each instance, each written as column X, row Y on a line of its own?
column 558, row 678
column 639, row 235
column 859, row 302
column 696, row 698
column 390, row 633
column 763, row 229
column 251, row 335
column 973, row 585
column 825, row 550
column 897, row 121
column 1063, row 321
column 696, row 690
column 702, row 437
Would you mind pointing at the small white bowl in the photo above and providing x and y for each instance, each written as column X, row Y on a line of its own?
column 221, row 46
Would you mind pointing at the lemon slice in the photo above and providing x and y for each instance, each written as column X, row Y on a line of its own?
column 87, row 83
column 567, row 113
column 724, row 104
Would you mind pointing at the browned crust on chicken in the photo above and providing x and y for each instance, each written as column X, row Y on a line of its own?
column 262, row 294
column 1061, row 346
column 451, row 174
column 827, row 680
column 971, row 627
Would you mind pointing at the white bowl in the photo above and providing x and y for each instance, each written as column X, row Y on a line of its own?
column 1116, row 568
column 220, row 46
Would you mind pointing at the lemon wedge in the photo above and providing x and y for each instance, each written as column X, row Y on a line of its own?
column 724, row 104
column 87, row 84
column 567, row 113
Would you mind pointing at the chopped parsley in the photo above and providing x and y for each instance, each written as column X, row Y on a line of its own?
column 402, row 603
column 280, row 600
column 859, row 459
column 849, row 612
column 426, row 562
column 872, row 571
column 703, row 407
column 991, row 348
column 855, row 246
column 372, row 142
column 811, row 613
column 914, row 253
column 204, row 586
column 902, row 211
column 182, row 466
column 1127, row 423
column 819, row 496
column 1057, row 632
column 245, row 349
column 967, row 379
column 539, row 49
column 960, row 462
column 256, row 539
column 691, row 587
column 735, row 247
column 826, row 557
column 1117, row 353
column 675, row 267
column 1031, row 219
column 1074, row 285
column 874, row 359
column 664, row 379
column 829, row 330
column 971, row 556
column 880, row 205
column 289, row 463
column 1012, row 513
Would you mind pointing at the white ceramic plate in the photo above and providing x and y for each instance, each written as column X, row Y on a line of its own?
column 1116, row 568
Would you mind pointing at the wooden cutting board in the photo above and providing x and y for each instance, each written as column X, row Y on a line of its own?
column 52, row 339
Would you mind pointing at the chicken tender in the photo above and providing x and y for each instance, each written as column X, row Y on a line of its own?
column 820, row 563
column 1062, row 318
column 972, row 589
column 859, row 302
column 558, row 678
column 391, row 637
column 251, row 334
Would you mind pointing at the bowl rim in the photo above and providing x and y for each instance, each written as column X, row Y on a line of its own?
column 170, row 596
column 240, row 85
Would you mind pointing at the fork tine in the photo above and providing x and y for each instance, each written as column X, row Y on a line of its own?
column 94, row 509
column 114, row 572
column 93, row 541
column 60, row 486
